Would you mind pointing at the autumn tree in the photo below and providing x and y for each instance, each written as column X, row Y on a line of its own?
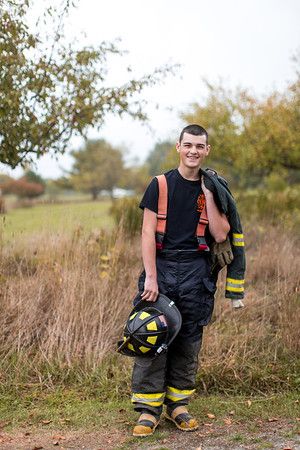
column 51, row 90
column 156, row 159
column 97, row 166
column 252, row 138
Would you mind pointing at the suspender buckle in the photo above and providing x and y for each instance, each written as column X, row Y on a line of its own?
column 202, row 245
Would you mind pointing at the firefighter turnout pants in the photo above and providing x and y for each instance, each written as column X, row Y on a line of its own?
column 185, row 277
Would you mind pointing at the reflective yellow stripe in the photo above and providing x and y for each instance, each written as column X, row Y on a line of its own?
column 144, row 349
column 178, row 394
column 180, row 391
column 233, row 281
column 234, row 289
column 152, row 339
column 151, row 326
column 133, row 315
column 148, row 399
column 233, row 285
column 238, row 240
column 144, row 315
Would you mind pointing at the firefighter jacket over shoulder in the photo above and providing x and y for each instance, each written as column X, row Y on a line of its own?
column 226, row 203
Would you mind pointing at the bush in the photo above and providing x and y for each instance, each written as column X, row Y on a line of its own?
column 126, row 211
column 23, row 188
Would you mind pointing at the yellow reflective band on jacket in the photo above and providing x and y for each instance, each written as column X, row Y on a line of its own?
column 156, row 399
column 178, row 394
column 233, row 285
column 238, row 240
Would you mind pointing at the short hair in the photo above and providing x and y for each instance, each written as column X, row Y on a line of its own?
column 195, row 130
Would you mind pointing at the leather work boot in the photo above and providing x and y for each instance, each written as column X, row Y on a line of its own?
column 145, row 426
column 182, row 419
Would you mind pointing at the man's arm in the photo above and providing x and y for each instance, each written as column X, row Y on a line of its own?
column 218, row 224
column 150, row 292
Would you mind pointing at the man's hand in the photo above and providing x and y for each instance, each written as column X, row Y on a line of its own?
column 237, row 304
column 150, row 292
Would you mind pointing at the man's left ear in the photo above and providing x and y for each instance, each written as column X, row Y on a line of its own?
column 207, row 149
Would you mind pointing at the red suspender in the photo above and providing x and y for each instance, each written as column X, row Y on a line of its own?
column 161, row 210
column 162, row 217
column 202, row 224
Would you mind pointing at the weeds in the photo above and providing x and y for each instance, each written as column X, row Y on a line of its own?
column 65, row 298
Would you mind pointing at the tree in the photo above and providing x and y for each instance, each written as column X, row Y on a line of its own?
column 97, row 166
column 157, row 157
column 50, row 90
column 136, row 178
column 251, row 138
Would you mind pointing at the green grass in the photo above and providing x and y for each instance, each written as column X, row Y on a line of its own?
column 57, row 217
column 79, row 408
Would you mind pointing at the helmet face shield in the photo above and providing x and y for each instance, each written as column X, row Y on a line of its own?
column 150, row 328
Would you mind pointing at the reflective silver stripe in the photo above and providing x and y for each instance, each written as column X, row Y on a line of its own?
column 176, row 396
column 234, row 284
column 149, row 399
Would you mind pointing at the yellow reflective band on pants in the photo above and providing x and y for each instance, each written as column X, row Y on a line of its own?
column 156, row 399
column 178, row 394
column 233, row 285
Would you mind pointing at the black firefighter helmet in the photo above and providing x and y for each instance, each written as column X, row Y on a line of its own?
column 150, row 327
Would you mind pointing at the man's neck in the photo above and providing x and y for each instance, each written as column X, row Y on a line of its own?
column 189, row 174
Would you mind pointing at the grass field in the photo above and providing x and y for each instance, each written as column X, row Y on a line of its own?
column 65, row 296
column 56, row 218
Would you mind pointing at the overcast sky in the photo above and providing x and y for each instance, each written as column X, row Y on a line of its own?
column 246, row 43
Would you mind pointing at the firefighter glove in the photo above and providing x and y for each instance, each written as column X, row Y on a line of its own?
column 222, row 253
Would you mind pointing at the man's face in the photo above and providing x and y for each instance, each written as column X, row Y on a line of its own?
column 192, row 150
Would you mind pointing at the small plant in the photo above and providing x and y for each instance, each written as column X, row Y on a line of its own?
column 126, row 211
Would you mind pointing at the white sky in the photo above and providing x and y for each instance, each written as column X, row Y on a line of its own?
column 247, row 43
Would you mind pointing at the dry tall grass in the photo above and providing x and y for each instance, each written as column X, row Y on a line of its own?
column 64, row 299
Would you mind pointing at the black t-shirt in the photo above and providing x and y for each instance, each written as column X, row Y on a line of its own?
column 182, row 216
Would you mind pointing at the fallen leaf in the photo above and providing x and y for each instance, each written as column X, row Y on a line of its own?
column 3, row 423
column 199, row 448
column 227, row 421
column 249, row 403
column 37, row 447
column 232, row 413
column 208, row 424
column 211, row 416
column 55, row 442
column 273, row 419
column 46, row 422
column 58, row 437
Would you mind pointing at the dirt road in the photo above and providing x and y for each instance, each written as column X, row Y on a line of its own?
column 275, row 434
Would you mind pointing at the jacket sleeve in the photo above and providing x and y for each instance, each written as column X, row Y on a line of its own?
column 236, row 269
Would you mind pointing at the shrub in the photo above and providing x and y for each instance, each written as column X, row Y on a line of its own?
column 126, row 211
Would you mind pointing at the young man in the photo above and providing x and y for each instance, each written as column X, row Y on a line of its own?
column 182, row 273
